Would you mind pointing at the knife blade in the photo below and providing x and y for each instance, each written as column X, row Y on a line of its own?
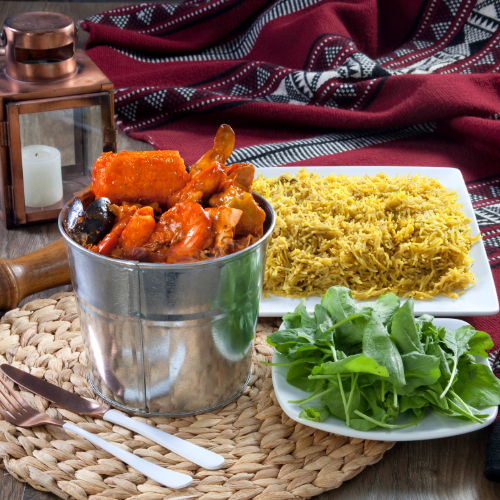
column 196, row 454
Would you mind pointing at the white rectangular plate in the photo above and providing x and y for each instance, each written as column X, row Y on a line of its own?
column 432, row 426
column 478, row 300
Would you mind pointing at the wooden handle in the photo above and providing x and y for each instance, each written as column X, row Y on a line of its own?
column 32, row 273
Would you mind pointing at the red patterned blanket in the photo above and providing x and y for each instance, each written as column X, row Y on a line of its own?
column 317, row 82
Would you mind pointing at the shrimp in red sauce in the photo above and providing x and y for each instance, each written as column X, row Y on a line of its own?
column 186, row 228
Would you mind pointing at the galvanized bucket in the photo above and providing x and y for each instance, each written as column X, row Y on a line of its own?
column 169, row 339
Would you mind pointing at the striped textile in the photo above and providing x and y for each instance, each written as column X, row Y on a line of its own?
column 317, row 82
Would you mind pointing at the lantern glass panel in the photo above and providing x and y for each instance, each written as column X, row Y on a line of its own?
column 58, row 148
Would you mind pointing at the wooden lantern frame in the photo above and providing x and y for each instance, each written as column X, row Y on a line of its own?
column 87, row 87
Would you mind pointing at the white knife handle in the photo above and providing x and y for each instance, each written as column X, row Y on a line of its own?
column 168, row 478
column 196, row 454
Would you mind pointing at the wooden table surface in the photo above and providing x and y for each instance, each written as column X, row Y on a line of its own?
column 442, row 469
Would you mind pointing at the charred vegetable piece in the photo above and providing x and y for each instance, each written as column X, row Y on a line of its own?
column 91, row 226
column 223, row 147
column 253, row 217
column 139, row 177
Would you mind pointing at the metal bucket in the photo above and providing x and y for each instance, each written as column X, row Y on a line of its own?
column 169, row 339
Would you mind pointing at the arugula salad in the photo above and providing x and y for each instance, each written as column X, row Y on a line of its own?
column 370, row 362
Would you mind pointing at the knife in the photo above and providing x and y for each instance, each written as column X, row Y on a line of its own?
column 196, row 454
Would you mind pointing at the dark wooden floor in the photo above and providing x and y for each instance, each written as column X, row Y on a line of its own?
column 444, row 469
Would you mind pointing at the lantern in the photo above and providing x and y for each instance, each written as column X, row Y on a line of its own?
column 56, row 117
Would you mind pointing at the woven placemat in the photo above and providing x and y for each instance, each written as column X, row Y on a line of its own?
column 267, row 455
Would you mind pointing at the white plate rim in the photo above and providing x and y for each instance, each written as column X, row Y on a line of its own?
column 337, row 426
column 479, row 300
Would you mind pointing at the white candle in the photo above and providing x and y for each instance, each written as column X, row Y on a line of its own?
column 42, row 176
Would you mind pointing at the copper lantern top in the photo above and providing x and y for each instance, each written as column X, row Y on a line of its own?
column 40, row 46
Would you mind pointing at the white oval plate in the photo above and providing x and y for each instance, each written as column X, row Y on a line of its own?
column 432, row 426
column 478, row 300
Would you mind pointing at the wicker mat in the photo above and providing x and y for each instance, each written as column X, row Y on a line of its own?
column 267, row 455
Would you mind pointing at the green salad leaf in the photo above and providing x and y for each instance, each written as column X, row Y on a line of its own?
column 315, row 413
column 476, row 384
column 357, row 363
column 386, row 307
column 378, row 345
column 369, row 363
column 420, row 369
column 404, row 329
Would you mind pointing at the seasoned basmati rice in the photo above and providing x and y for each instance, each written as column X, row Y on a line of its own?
column 373, row 234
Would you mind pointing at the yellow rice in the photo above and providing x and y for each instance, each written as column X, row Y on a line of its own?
column 373, row 234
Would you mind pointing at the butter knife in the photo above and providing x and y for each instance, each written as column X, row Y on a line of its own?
column 196, row 454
